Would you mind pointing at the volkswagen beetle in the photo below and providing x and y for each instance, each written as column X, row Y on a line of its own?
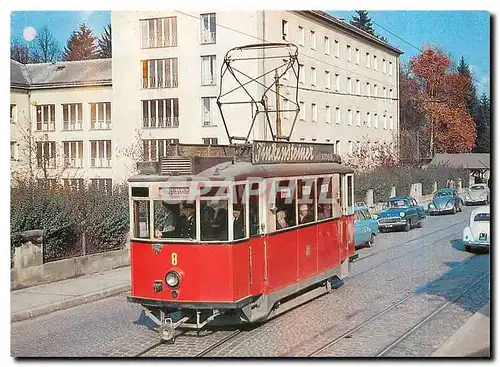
column 477, row 194
column 477, row 234
column 445, row 201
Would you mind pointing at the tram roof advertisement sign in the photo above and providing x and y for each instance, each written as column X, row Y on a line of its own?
column 285, row 152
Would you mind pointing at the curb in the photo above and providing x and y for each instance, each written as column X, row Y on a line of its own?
column 68, row 303
column 472, row 339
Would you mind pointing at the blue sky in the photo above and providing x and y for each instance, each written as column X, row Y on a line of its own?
column 458, row 33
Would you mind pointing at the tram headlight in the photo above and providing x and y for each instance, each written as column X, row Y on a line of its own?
column 172, row 279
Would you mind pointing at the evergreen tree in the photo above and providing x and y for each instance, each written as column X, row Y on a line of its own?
column 363, row 21
column 471, row 99
column 81, row 45
column 104, row 43
column 483, row 126
column 19, row 52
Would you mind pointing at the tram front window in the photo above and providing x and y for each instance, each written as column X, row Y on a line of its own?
column 174, row 220
column 214, row 220
column 141, row 219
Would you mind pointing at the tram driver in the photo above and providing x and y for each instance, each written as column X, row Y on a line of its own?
column 238, row 222
column 169, row 222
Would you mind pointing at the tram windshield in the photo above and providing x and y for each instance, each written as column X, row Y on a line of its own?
column 174, row 219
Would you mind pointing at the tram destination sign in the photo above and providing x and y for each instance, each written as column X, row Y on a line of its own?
column 284, row 152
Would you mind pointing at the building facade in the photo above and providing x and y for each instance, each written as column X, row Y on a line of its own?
column 166, row 78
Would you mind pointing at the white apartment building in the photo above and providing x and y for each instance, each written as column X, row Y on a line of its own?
column 166, row 78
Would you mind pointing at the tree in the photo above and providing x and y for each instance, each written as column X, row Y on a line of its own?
column 443, row 93
column 19, row 52
column 363, row 21
column 81, row 45
column 45, row 47
column 484, row 126
column 104, row 43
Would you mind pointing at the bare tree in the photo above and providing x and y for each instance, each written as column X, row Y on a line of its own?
column 45, row 47
column 19, row 52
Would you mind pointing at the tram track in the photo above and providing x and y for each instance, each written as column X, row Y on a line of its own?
column 391, row 346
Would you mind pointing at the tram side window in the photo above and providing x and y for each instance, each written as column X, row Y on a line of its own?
column 253, row 209
column 306, row 200
column 141, row 219
column 239, row 212
column 350, row 199
column 285, row 204
column 324, row 190
column 173, row 219
column 214, row 220
column 337, row 195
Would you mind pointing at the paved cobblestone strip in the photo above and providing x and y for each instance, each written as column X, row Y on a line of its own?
column 219, row 343
column 421, row 323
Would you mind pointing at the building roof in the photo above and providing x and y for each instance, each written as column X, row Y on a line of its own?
column 349, row 28
column 463, row 160
column 61, row 74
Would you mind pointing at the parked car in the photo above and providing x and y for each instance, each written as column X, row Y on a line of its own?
column 445, row 201
column 477, row 234
column 401, row 212
column 477, row 194
column 365, row 226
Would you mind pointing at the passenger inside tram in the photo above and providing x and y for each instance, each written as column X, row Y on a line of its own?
column 187, row 221
column 324, row 211
column 238, row 222
column 305, row 215
column 281, row 220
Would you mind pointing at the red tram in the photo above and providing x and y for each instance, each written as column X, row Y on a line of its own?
column 230, row 243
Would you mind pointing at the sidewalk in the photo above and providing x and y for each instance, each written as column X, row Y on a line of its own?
column 39, row 300
column 472, row 339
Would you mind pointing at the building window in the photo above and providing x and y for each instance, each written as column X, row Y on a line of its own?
column 327, row 46
column 358, row 87
column 73, row 184
column 349, row 54
column 284, row 30
column 313, row 76
column 327, row 79
column 73, row 153
column 384, row 92
column 160, row 73
column 100, row 153
column 154, row 149
column 337, row 49
column 391, row 96
column 314, row 111
column 358, row 118
column 208, row 111
column 375, row 90
column 375, row 66
column 390, row 67
column 160, row 113
column 337, row 147
column 13, row 114
column 358, row 56
column 384, row 66
column 349, row 147
column 328, row 115
column 375, row 121
column 208, row 30
column 337, row 115
column 368, row 89
column 100, row 116
column 158, row 32
column 385, row 122
column 337, row 82
column 302, row 74
column 391, row 123
column 367, row 59
column 313, row 40
column 46, row 154
column 349, row 85
column 349, row 117
column 210, row 141
column 102, row 184
column 368, row 119
column 302, row 111
column 46, row 117
column 302, row 36
column 14, row 151
column 73, row 116
column 208, row 70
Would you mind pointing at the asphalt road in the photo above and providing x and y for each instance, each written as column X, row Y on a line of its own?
column 420, row 285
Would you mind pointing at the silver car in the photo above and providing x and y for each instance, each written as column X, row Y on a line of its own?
column 477, row 194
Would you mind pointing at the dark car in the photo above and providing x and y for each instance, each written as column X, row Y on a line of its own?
column 446, row 201
column 401, row 212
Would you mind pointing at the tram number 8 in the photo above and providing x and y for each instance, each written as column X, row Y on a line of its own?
column 174, row 258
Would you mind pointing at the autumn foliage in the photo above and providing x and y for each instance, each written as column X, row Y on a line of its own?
column 441, row 95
